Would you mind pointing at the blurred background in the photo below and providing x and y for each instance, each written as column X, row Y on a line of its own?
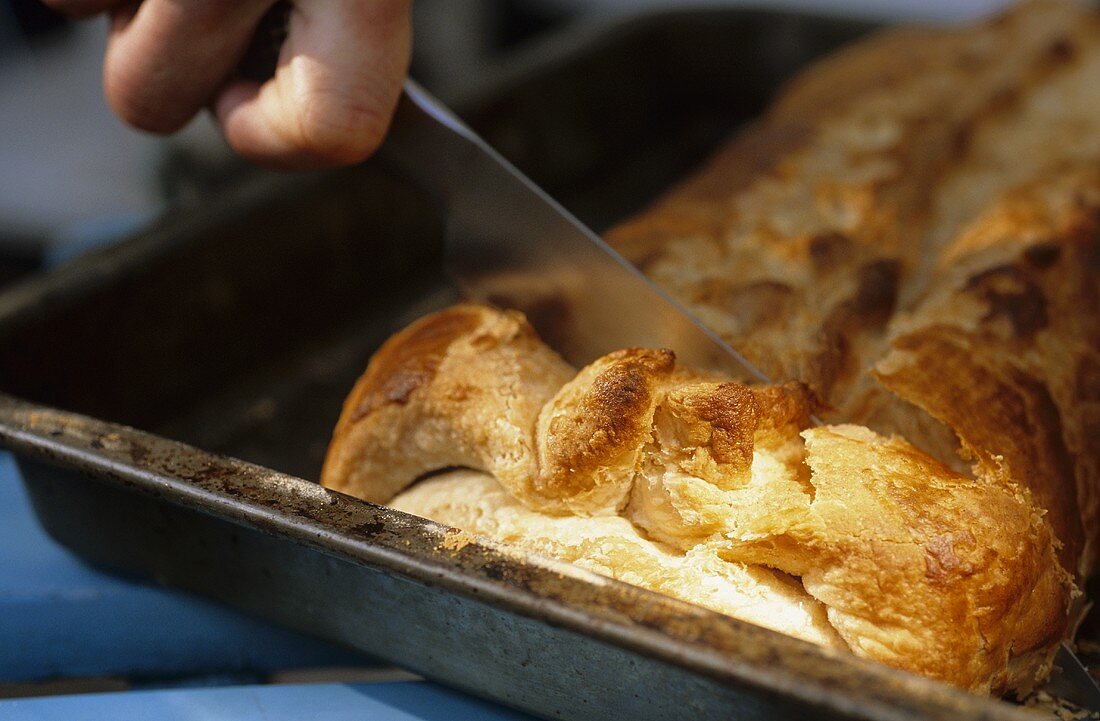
column 73, row 176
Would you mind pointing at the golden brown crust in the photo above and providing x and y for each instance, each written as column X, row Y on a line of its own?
column 720, row 420
column 409, row 361
column 914, row 564
column 457, row 388
column 1016, row 313
column 921, row 177
column 1006, row 419
column 922, row 568
column 595, row 426
column 784, row 411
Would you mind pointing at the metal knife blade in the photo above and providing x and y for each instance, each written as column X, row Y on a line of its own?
column 1072, row 681
column 511, row 244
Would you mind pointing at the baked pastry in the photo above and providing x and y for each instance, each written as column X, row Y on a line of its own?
column 912, row 231
column 909, row 242
column 613, row 546
column 709, row 490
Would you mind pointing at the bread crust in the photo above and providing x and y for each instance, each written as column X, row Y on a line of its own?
column 682, row 482
column 459, row 388
column 914, row 212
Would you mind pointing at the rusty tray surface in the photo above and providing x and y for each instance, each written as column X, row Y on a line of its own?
column 231, row 331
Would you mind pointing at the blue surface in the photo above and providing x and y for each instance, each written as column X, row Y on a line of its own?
column 410, row 701
column 61, row 618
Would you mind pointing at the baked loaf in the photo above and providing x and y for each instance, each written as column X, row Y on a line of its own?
column 708, row 490
column 909, row 241
column 913, row 230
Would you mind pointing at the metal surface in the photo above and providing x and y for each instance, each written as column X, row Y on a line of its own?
column 238, row 327
column 511, row 244
column 1072, row 681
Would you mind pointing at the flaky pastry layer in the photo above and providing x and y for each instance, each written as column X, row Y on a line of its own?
column 711, row 491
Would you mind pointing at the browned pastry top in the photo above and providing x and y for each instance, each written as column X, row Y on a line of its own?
column 913, row 230
column 713, row 491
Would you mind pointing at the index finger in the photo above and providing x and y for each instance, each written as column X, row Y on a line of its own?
column 166, row 59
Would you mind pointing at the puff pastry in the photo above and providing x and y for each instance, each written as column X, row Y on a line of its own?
column 909, row 240
column 711, row 491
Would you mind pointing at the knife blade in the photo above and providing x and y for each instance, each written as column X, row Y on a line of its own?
column 1071, row 680
column 510, row 244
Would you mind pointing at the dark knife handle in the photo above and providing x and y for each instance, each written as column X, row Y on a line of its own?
column 262, row 54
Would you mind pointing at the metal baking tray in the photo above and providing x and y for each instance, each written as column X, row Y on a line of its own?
column 231, row 331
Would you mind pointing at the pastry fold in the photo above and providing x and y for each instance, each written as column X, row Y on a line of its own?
column 709, row 490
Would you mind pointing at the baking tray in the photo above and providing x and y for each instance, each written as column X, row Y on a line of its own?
column 231, row 331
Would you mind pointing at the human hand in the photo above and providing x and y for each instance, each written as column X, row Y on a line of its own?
column 336, row 84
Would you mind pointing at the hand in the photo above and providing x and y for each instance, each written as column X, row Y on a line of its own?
column 329, row 103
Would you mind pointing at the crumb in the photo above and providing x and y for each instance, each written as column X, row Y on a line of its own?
column 1058, row 708
column 455, row 540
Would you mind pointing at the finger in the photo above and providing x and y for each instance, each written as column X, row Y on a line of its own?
column 338, row 79
column 81, row 8
column 167, row 58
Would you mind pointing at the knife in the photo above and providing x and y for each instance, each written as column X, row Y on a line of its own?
column 1071, row 680
column 510, row 244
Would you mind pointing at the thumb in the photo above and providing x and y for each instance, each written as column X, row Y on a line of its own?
column 335, row 87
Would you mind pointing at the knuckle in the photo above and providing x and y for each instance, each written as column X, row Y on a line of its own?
column 138, row 105
column 340, row 129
